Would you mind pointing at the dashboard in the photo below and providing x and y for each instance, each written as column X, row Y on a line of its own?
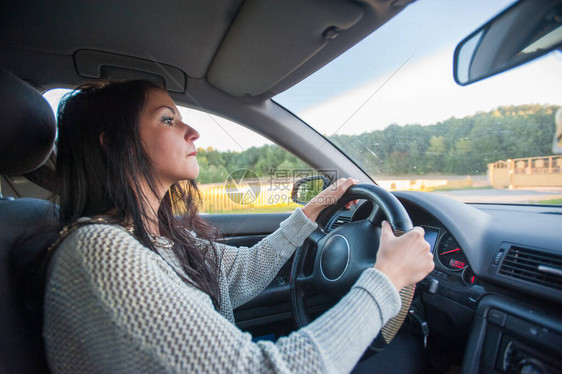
column 493, row 300
column 451, row 262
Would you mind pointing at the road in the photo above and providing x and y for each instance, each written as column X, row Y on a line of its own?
column 521, row 196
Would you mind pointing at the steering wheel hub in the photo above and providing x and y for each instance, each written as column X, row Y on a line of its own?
column 334, row 257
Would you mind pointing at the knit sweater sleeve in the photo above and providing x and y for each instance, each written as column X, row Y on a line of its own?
column 112, row 305
column 248, row 270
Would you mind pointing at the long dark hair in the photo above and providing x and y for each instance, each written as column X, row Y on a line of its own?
column 95, row 179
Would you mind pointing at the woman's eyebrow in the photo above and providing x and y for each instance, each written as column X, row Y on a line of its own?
column 171, row 109
column 165, row 106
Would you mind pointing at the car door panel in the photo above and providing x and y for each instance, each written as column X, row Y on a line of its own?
column 239, row 225
column 262, row 314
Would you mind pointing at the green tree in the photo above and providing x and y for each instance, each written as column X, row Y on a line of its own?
column 454, row 146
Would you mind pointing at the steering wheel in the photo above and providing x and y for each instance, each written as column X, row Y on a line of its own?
column 328, row 264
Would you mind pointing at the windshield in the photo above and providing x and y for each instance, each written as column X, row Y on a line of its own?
column 391, row 104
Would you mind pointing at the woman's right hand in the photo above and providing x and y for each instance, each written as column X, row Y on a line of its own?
column 405, row 259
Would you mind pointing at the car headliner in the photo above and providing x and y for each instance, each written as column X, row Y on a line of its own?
column 256, row 48
column 223, row 57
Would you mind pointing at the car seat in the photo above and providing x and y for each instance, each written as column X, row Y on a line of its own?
column 27, row 135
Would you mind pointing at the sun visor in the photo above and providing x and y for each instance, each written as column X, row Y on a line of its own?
column 267, row 33
column 111, row 66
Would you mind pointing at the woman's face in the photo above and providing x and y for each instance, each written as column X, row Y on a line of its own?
column 167, row 140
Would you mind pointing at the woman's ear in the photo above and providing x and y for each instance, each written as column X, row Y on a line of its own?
column 102, row 136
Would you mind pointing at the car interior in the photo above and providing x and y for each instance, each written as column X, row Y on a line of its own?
column 500, row 314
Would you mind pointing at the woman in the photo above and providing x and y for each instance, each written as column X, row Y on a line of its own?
column 133, row 288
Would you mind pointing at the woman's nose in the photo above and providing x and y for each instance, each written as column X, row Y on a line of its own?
column 191, row 134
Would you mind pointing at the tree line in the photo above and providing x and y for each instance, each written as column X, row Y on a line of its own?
column 455, row 146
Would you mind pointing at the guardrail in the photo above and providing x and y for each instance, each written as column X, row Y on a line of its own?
column 220, row 197
column 427, row 184
column 544, row 171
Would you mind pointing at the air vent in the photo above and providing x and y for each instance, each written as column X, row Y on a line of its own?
column 541, row 268
column 341, row 220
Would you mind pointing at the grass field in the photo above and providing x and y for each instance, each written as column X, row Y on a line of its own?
column 551, row 202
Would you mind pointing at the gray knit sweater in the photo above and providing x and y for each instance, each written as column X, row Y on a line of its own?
column 114, row 306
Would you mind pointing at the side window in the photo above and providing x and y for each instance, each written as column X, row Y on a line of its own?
column 239, row 171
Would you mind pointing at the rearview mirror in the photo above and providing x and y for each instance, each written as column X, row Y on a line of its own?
column 306, row 188
column 521, row 33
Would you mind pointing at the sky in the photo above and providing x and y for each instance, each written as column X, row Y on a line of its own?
column 423, row 28
column 403, row 74
column 400, row 74
column 434, row 97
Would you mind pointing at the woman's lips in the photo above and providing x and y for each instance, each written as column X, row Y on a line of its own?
column 192, row 153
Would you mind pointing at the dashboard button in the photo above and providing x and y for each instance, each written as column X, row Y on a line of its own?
column 497, row 317
column 433, row 285
column 498, row 257
column 523, row 328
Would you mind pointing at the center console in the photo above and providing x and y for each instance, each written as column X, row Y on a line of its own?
column 511, row 337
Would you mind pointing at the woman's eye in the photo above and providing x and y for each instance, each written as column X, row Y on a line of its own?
column 168, row 120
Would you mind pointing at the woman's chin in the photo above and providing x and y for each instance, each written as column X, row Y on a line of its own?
column 193, row 176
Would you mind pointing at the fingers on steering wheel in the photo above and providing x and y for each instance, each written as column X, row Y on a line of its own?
column 420, row 229
column 344, row 184
column 350, row 203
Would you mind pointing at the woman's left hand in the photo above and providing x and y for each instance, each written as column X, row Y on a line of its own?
column 329, row 197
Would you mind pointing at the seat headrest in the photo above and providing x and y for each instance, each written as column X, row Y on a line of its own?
column 27, row 126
